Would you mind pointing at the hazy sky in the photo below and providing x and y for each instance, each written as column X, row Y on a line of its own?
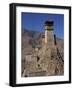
column 35, row 21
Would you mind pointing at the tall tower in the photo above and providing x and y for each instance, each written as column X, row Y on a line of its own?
column 49, row 34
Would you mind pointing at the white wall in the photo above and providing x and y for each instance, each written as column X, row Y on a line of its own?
column 4, row 44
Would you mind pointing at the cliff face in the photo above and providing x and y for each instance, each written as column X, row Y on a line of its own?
column 40, row 62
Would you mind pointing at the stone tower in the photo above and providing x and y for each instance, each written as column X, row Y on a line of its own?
column 49, row 34
column 49, row 40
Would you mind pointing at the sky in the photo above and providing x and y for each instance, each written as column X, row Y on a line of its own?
column 35, row 22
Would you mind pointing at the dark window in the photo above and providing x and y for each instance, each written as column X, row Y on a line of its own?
column 55, row 39
column 39, row 65
column 38, row 58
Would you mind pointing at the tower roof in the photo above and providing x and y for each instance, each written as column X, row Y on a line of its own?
column 49, row 23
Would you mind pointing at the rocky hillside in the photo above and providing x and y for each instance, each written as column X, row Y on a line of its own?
column 31, row 39
column 40, row 64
